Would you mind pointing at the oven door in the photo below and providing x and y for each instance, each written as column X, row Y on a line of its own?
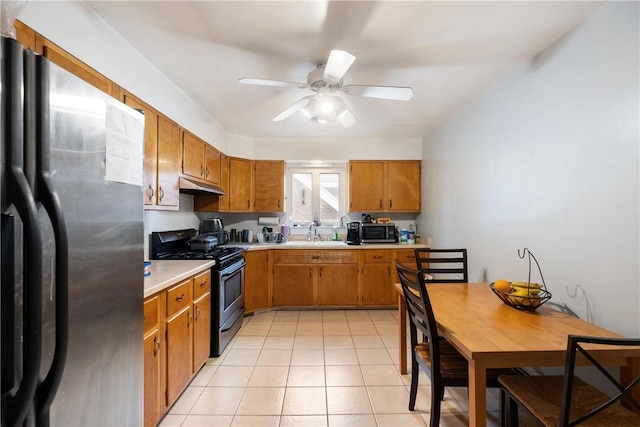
column 231, row 307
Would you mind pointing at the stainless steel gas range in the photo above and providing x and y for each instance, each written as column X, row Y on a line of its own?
column 227, row 276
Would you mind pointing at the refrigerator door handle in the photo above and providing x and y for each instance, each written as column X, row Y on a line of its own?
column 51, row 203
column 21, row 196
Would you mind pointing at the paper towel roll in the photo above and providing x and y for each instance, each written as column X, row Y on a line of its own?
column 268, row 220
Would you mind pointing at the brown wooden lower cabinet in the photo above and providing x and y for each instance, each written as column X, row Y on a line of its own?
column 257, row 278
column 201, row 331
column 377, row 282
column 332, row 278
column 337, row 284
column 177, row 336
column 153, row 348
column 179, row 351
column 292, row 285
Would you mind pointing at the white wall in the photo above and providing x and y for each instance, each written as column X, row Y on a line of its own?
column 339, row 149
column 549, row 159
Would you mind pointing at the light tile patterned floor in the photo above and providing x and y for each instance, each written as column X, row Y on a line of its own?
column 314, row 368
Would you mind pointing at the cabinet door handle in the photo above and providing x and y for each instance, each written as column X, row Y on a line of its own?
column 310, row 274
column 156, row 346
column 248, row 204
column 380, row 204
column 150, row 192
column 320, row 271
column 189, row 318
column 206, row 172
column 390, row 203
column 278, row 202
column 315, row 257
column 179, row 299
column 201, row 170
column 160, row 193
column 197, row 312
column 203, row 284
column 377, row 257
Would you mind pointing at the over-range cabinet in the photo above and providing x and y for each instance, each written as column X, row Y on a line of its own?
column 72, row 249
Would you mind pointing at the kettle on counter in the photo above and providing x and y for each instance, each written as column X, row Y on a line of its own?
column 211, row 225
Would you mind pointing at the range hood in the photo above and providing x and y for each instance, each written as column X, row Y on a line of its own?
column 193, row 187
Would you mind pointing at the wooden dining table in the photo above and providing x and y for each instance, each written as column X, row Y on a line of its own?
column 491, row 334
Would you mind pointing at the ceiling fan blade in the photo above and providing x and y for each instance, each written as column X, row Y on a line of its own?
column 343, row 114
column 383, row 92
column 295, row 107
column 347, row 119
column 266, row 82
column 337, row 65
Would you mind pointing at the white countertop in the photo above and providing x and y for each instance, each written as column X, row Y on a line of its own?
column 302, row 244
column 167, row 273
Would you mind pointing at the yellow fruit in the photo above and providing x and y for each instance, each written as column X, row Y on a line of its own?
column 502, row 285
column 531, row 286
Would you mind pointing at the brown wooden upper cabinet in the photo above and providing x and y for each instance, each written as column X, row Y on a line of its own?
column 64, row 59
column 384, row 186
column 168, row 163
column 199, row 159
column 25, row 35
column 223, row 201
column 161, row 156
column 240, row 190
column 268, row 187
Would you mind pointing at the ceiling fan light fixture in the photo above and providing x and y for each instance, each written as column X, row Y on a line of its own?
column 320, row 109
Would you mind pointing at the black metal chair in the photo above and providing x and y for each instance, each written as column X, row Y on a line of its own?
column 566, row 400
column 437, row 357
column 443, row 265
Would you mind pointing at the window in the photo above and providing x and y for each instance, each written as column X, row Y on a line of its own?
column 315, row 194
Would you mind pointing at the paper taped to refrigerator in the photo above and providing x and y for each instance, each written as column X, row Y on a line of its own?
column 124, row 146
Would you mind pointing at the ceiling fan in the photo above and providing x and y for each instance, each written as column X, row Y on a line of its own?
column 327, row 82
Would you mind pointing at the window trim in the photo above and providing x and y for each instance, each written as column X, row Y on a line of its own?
column 316, row 170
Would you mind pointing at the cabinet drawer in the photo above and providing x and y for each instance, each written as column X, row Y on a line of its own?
column 315, row 257
column 338, row 257
column 179, row 297
column 151, row 313
column 407, row 257
column 201, row 283
column 369, row 257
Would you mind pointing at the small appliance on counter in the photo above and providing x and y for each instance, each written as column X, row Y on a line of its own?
column 353, row 233
column 214, row 227
column 203, row 242
column 379, row 233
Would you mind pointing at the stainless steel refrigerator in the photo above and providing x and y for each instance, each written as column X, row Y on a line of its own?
column 72, row 249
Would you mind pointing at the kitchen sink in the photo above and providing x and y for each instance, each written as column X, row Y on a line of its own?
column 318, row 243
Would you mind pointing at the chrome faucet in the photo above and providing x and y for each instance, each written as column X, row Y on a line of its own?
column 312, row 226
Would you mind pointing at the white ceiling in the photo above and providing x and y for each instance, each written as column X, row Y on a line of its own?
column 447, row 51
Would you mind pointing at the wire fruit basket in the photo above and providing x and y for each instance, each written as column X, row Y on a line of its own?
column 525, row 295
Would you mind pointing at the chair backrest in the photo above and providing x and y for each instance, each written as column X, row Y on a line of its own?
column 419, row 309
column 443, row 265
column 575, row 347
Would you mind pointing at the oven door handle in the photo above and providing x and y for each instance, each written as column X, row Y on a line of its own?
column 232, row 320
column 231, row 269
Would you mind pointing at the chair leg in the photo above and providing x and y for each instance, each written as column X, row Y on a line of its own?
column 414, row 382
column 508, row 410
column 436, row 401
column 503, row 408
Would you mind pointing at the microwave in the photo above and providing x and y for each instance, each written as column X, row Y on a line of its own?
column 378, row 233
